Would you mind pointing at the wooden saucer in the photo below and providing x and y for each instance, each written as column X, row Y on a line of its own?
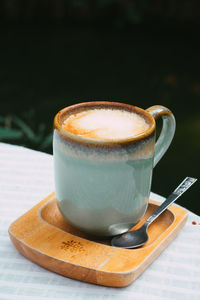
column 44, row 236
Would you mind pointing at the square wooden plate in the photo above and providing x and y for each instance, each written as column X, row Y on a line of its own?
column 43, row 236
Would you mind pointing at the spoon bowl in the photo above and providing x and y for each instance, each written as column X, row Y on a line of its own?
column 131, row 239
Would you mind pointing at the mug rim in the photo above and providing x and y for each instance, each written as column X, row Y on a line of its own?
column 59, row 117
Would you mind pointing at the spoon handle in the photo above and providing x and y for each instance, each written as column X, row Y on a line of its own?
column 184, row 186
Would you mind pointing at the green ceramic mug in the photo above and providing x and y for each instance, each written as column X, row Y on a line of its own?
column 103, row 186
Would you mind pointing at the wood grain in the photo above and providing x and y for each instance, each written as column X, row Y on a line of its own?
column 44, row 236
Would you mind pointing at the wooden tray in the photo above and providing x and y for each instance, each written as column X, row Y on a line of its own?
column 43, row 236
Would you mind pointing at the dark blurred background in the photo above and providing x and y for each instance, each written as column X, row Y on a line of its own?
column 54, row 53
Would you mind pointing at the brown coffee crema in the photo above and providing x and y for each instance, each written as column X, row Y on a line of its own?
column 107, row 124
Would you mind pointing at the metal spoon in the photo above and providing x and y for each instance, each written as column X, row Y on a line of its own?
column 139, row 237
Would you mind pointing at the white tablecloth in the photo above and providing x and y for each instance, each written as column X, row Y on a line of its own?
column 26, row 177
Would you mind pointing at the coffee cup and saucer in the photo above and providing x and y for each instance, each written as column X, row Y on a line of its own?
column 104, row 154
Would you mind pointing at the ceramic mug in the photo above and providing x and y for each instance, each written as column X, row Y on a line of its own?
column 103, row 187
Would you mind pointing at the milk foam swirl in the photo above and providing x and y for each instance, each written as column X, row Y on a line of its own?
column 106, row 124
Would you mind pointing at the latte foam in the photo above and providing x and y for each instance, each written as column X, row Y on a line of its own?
column 106, row 124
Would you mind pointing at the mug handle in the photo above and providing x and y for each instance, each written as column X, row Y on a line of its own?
column 167, row 132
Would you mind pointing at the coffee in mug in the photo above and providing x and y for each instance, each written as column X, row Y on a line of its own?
column 106, row 124
column 104, row 154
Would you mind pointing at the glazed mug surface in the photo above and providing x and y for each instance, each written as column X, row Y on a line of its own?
column 103, row 187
